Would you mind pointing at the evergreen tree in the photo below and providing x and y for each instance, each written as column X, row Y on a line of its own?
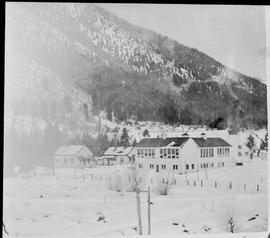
column 134, row 143
column 250, row 143
column 124, row 140
column 146, row 133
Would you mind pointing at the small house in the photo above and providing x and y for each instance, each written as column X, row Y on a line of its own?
column 118, row 156
column 73, row 156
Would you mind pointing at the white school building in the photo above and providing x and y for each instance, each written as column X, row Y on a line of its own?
column 183, row 154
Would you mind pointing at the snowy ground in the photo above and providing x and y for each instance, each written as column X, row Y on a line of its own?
column 68, row 207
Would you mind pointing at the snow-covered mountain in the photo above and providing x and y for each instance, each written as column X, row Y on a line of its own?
column 67, row 63
column 131, row 71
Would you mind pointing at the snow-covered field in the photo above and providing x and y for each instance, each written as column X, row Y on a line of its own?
column 69, row 207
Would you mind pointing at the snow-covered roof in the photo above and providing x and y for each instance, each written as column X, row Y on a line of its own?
column 69, row 150
column 118, row 151
column 179, row 141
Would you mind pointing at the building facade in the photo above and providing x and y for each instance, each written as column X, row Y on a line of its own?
column 182, row 154
column 240, row 152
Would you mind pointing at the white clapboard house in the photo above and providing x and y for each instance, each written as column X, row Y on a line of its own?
column 118, row 156
column 183, row 154
column 73, row 156
column 240, row 152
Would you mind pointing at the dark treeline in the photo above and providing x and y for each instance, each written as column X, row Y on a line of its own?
column 146, row 98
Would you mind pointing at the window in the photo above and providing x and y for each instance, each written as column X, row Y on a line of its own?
column 151, row 166
column 153, row 153
column 165, row 153
column 142, row 153
column 240, row 147
column 227, row 151
column 211, row 152
column 140, row 166
column 145, row 152
column 149, row 152
column 173, row 153
column 201, row 153
column 246, row 153
column 163, row 166
column 212, row 165
column 206, row 152
column 201, row 166
column 177, row 153
column 139, row 152
column 187, row 166
column 161, row 153
column 169, row 153
column 175, row 167
column 239, row 153
column 192, row 166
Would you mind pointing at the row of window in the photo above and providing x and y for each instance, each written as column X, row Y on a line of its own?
column 240, row 153
column 223, row 151
column 146, row 153
column 169, row 153
column 188, row 166
column 163, row 166
column 207, row 152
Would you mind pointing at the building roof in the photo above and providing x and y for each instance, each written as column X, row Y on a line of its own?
column 211, row 142
column 115, row 151
column 160, row 142
column 180, row 141
column 69, row 150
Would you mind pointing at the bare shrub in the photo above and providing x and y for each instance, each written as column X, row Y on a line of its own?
column 228, row 219
column 115, row 183
column 164, row 183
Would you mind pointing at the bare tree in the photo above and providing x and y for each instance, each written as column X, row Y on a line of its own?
column 229, row 220
column 164, row 183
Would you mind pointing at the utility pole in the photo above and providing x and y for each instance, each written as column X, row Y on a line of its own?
column 149, row 212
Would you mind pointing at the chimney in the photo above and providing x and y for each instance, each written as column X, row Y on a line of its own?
column 203, row 135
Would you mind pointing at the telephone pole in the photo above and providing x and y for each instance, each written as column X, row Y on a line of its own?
column 149, row 212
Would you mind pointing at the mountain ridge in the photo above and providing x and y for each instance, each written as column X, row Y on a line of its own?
column 84, row 41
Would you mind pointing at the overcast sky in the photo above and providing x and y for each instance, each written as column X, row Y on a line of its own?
column 233, row 35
